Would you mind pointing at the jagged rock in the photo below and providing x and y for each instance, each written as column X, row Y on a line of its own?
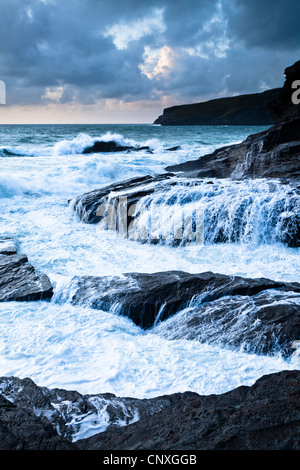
column 274, row 153
column 18, row 278
column 21, row 429
column 220, row 309
column 69, row 412
column 265, row 416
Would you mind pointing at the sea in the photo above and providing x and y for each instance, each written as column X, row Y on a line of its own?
column 60, row 345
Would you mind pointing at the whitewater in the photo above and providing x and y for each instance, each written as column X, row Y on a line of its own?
column 57, row 344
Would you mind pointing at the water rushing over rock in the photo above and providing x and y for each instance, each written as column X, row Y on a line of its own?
column 176, row 211
column 196, row 292
column 259, row 315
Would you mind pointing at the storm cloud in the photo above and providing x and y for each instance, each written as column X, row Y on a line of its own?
column 83, row 51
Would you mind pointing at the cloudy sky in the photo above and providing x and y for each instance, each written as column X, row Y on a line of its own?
column 109, row 61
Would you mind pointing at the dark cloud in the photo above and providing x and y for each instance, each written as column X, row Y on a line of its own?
column 270, row 24
column 87, row 50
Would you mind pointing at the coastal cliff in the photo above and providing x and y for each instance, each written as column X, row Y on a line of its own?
column 274, row 153
column 245, row 110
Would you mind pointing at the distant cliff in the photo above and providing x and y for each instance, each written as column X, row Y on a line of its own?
column 247, row 110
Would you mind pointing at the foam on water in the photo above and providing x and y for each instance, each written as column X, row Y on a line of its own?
column 248, row 211
column 60, row 345
column 93, row 351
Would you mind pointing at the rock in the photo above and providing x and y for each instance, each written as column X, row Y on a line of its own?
column 264, row 416
column 274, row 153
column 283, row 108
column 179, row 211
column 21, row 429
column 173, row 149
column 8, row 246
column 111, row 146
column 221, row 309
column 133, row 189
column 247, row 110
column 264, row 323
column 66, row 412
column 18, row 279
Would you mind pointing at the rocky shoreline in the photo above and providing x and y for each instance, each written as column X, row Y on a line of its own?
column 273, row 154
column 264, row 416
column 259, row 315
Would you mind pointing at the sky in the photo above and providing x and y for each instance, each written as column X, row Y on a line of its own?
column 108, row 61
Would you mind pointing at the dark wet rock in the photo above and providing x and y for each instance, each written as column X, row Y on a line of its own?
column 274, row 153
column 135, row 209
column 173, row 149
column 283, row 108
column 264, row 416
column 259, row 314
column 66, row 412
column 21, row 429
column 90, row 207
column 18, row 278
column 111, row 146
column 264, row 323
column 247, row 110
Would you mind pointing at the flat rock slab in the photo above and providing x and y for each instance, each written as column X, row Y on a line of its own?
column 133, row 189
column 260, row 314
column 265, row 323
column 19, row 281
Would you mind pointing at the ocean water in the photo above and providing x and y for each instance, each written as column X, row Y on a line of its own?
column 60, row 345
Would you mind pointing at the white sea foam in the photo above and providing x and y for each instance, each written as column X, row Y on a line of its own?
column 82, row 141
column 78, row 144
column 59, row 345
column 95, row 352
column 249, row 211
